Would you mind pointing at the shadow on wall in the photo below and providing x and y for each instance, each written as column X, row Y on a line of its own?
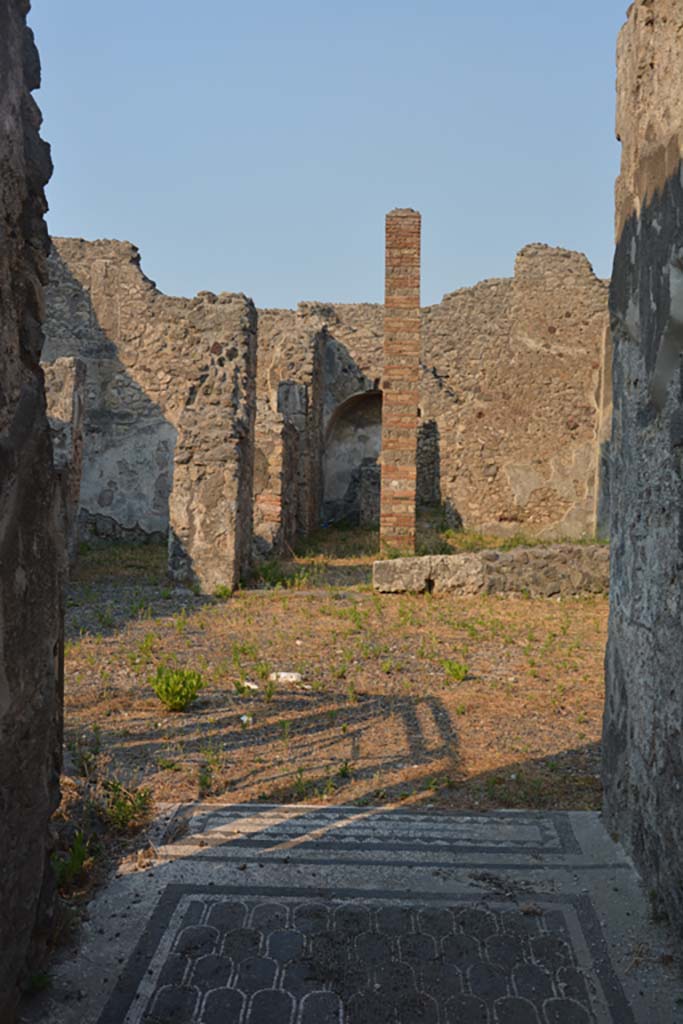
column 351, row 473
column 428, row 464
column 125, row 484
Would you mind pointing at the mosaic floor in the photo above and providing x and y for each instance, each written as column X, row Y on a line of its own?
column 307, row 915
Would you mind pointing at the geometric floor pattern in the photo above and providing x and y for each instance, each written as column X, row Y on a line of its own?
column 258, row 914
column 285, row 960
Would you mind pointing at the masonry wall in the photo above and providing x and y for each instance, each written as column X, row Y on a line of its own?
column 400, row 381
column 162, row 374
column 31, row 538
column 289, row 412
column 65, row 389
column 643, row 724
column 515, row 402
column 512, row 415
column 515, row 381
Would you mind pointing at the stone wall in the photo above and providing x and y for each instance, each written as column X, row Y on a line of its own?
column 31, row 538
column 65, row 390
column 559, row 570
column 643, row 752
column 514, row 402
column 289, row 415
column 156, row 365
column 211, row 499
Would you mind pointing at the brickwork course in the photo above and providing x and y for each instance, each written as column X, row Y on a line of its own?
column 400, row 380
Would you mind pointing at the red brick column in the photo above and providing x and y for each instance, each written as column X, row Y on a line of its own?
column 400, row 381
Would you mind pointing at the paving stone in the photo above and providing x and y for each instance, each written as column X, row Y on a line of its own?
column 256, row 973
column 269, row 917
column 223, row 1005
column 241, row 943
column 532, row 982
column 197, row 941
column 464, row 1009
column 271, row 1007
column 487, row 981
column 566, row 1011
column 436, row 922
column 441, row 979
column 395, row 920
column 418, row 1009
column 174, row 1005
column 322, row 1008
column 211, row 971
column 418, row 948
column 370, row 1008
column 351, row 921
column 285, row 945
column 373, row 949
column 513, row 1010
column 461, row 950
column 227, row 916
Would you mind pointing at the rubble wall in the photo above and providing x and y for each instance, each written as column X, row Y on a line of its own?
column 31, row 533
column 642, row 750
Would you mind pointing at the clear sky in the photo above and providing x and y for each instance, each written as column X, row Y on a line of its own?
column 256, row 146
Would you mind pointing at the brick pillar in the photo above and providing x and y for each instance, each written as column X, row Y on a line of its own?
column 401, row 381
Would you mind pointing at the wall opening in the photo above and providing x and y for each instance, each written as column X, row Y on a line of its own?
column 351, row 472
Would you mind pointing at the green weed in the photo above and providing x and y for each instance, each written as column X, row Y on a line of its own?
column 176, row 687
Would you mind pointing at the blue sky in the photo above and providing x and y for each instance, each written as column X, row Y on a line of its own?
column 257, row 146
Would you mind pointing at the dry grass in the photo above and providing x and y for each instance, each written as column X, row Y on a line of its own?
column 382, row 712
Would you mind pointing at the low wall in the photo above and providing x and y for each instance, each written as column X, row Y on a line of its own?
column 560, row 570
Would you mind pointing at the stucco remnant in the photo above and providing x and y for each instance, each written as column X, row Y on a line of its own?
column 643, row 725
column 31, row 538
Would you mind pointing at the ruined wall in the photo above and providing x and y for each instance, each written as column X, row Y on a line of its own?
column 31, row 540
column 65, row 392
column 515, row 401
column 513, row 404
column 642, row 750
column 210, row 508
column 288, row 455
column 162, row 373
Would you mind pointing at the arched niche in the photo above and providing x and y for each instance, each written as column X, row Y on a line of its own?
column 351, row 475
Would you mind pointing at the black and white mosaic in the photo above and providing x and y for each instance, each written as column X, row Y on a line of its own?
column 218, row 957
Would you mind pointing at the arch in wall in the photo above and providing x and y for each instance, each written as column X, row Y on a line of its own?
column 351, row 473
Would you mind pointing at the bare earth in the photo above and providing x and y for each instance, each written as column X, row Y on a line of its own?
column 381, row 713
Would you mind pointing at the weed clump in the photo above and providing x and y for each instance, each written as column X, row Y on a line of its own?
column 123, row 808
column 455, row 671
column 176, row 687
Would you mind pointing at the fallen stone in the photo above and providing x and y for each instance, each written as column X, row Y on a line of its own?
column 559, row 570
column 285, row 677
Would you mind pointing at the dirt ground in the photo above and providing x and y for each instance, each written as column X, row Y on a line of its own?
column 460, row 702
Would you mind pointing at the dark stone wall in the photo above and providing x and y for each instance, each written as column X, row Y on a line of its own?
column 643, row 742
column 643, row 725
column 31, row 533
